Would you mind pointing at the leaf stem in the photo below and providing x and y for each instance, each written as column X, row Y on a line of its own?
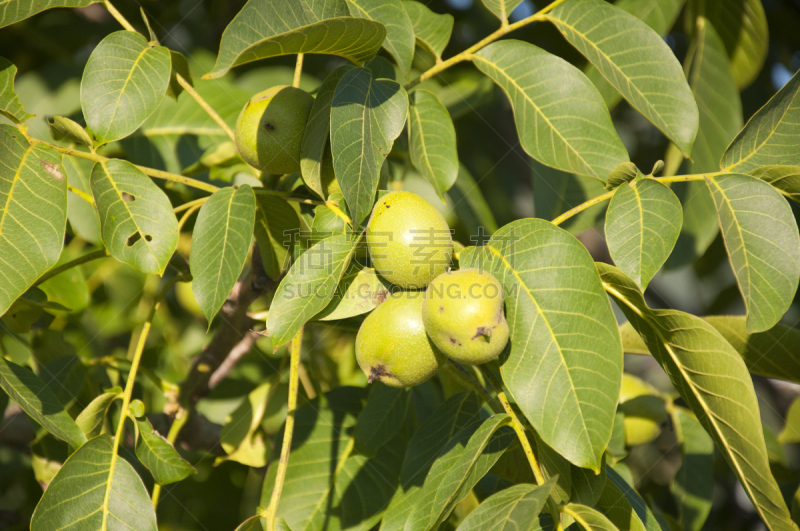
column 180, row 421
column 80, row 193
column 280, row 476
column 188, row 214
column 285, row 196
column 102, row 253
column 188, row 205
column 467, row 54
column 583, row 206
column 205, row 106
column 117, row 15
column 298, row 71
column 152, row 172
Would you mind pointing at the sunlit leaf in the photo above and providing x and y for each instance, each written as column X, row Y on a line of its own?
column 713, row 380
column 238, row 436
column 693, row 485
column 10, row 107
column 509, row 510
column 642, row 226
column 786, row 179
column 501, row 8
column 95, row 489
column 220, row 243
column 367, row 116
column 432, row 141
column 124, row 81
column 431, row 30
column 159, row 456
column 309, row 286
column 587, row 518
column 359, row 291
column 763, row 243
column 33, row 212
column 399, row 40
column 636, row 61
column 92, row 419
column 13, row 11
column 556, row 353
column 267, row 28
column 574, row 133
column 139, row 227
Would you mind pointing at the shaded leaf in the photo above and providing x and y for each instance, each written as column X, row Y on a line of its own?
column 552, row 370
column 358, row 292
column 123, row 82
column 623, row 506
column 180, row 66
column 431, row 30
column 785, row 179
column 159, row 456
column 92, row 419
column 381, row 419
column 511, row 509
column 82, row 216
column 501, row 8
column 712, row 378
column 93, row 490
column 36, row 399
column 399, row 40
column 268, row 28
column 10, row 107
column 366, row 117
column 220, row 243
column 62, row 128
column 11, row 12
column 432, row 140
column 64, row 376
column 33, row 212
column 309, row 286
column 587, row 518
column 624, row 173
column 277, row 225
column 556, row 192
column 573, row 134
column 139, row 227
column 763, row 243
column 471, row 206
column 693, row 485
column 642, row 225
column 636, row 61
column 238, row 436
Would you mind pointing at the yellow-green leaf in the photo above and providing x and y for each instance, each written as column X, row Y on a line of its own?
column 10, row 107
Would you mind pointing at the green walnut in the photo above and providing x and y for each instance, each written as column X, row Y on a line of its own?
column 463, row 315
column 269, row 130
column 644, row 411
column 409, row 240
column 392, row 346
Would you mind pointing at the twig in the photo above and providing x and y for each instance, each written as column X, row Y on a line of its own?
column 294, row 371
column 117, row 15
column 102, row 253
column 205, row 106
column 237, row 353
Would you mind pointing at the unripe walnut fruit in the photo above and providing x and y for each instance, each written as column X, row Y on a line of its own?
column 392, row 346
column 269, row 130
column 409, row 240
column 463, row 315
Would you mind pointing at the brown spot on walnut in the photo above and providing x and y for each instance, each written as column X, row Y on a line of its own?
column 377, row 372
column 482, row 331
column 441, row 309
column 268, row 126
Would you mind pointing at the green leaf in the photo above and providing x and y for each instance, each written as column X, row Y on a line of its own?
column 82, row 216
column 587, row 518
column 64, row 376
column 275, row 224
column 367, row 116
column 742, row 24
column 768, row 137
column 763, row 244
column 446, row 422
column 572, row 134
column 65, row 129
column 552, row 371
column 33, row 212
column 623, row 506
column 359, row 291
column 12, row 11
column 309, row 286
column 39, row 402
column 432, row 140
column 713, row 380
column 399, row 40
column 381, row 419
column 10, row 107
column 463, row 462
column 238, row 436
column 556, row 192
column 123, row 83
column 700, row 223
column 431, row 30
column 693, row 485
column 328, row 485
column 92, row 419
column 179, row 66
column 642, row 225
column 636, row 61
column 790, row 434
column 139, row 227
column 470, row 205
column 220, row 244
column 501, row 8
column 622, row 174
column 316, row 133
column 95, row 489
column 509, row 510
column 159, row 456
column 268, row 28
column 785, row 179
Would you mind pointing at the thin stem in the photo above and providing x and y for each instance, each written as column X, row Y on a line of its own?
column 205, row 106
column 190, row 204
column 467, row 54
column 280, row 476
column 102, row 253
column 80, row 193
column 117, row 15
column 180, row 421
column 583, row 206
column 298, row 70
column 683, row 178
column 186, row 216
column 152, row 172
column 286, row 197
